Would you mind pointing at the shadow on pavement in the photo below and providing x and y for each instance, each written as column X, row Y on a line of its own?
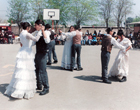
column 90, row 78
column 3, row 89
column 56, row 67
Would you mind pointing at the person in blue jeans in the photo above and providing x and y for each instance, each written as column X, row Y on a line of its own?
column 51, row 46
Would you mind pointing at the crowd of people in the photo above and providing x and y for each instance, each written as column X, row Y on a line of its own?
column 6, row 37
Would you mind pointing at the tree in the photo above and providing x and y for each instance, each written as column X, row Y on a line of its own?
column 37, row 8
column 106, row 9
column 64, row 6
column 122, row 9
column 136, row 19
column 129, row 20
column 18, row 11
column 83, row 11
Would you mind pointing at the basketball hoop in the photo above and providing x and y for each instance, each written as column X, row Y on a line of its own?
column 51, row 14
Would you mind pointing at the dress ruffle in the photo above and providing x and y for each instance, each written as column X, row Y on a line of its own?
column 24, row 74
column 23, row 83
column 20, row 93
column 25, row 53
column 25, row 64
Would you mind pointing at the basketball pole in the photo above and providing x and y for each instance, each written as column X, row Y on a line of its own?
column 52, row 24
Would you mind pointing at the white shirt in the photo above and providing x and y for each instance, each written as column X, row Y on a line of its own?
column 115, row 43
column 47, row 39
column 81, row 35
column 72, row 34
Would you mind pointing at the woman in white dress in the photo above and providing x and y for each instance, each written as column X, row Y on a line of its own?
column 66, row 59
column 23, row 83
column 120, row 67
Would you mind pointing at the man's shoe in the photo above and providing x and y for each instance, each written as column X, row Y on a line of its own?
column 75, row 68
column 107, row 81
column 80, row 69
column 55, row 61
column 71, row 70
column 48, row 63
column 39, row 88
column 123, row 79
column 45, row 91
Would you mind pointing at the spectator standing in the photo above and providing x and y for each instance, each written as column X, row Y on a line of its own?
column 99, row 33
column 87, row 32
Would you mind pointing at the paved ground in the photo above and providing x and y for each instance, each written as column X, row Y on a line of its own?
column 75, row 90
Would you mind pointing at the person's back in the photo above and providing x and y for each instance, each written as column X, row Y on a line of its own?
column 25, row 42
column 77, row 38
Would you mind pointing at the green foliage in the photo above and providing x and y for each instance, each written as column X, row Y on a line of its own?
column 37, row 7
column 83, row 10
column 136, row 19
column 18, row 11
column 63, row 5
column 129, row 20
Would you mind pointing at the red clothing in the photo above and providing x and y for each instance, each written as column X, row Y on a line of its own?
column 89, row 37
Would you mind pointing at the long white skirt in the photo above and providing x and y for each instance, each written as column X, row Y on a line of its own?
column 23, row 83
column 121, row 65
column 66, row 59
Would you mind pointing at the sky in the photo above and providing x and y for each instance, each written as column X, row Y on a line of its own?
column 4, row 8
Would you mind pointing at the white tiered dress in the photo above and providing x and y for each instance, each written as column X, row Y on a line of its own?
column 23, row 83
column 121, row 64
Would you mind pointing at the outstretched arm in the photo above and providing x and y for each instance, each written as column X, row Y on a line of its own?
column 31, row 37
column 115, row 43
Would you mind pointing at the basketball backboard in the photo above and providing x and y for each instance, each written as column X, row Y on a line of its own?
column 51, row 14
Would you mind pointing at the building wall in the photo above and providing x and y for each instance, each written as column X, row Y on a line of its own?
column 15, row 29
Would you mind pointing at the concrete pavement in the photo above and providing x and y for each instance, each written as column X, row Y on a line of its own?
column 78, row 90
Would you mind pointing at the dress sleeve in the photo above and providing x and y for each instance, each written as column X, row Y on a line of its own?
column 69, row 34
column 116, row 44
column 31, row 37
column 129, row 43
column 62, row 37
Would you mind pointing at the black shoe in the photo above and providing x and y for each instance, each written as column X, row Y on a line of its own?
column 80, row 69
column 45, row 91
column 48, row 63
column 39, row 88
column 107, row 81
column 75, row 68
column 55, row 61
column 123, row 79
column 71, row 70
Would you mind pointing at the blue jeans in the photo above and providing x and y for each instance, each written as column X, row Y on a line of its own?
column 52, row 51
column 41, row 73
column 76, row 48
column 105, row 57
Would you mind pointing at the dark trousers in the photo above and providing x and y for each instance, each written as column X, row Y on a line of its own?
column 41, row 73
column 10, row 40
column 105, row 57
column 76, row 48
column 52, row 51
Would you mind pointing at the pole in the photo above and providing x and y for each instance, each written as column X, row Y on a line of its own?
column 52, row 24
column 125, row 25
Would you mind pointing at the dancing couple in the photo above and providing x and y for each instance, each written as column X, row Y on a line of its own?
column 23, row 83
column 121, row 65
column 71, row 47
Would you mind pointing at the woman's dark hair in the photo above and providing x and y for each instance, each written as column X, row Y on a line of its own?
column 38, row 22
column 109, row 29
column 120, row 33
column 70, row 28
column 47, row 26
column 24, row 25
